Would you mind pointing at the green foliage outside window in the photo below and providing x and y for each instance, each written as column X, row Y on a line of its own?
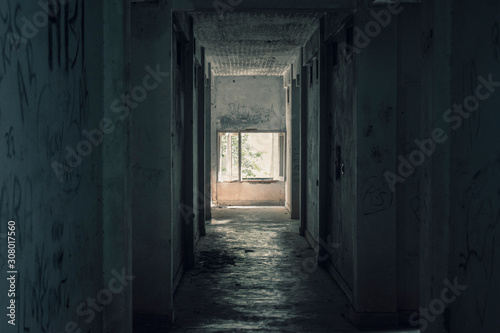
column 249, row 157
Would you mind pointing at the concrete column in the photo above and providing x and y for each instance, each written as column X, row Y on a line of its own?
column 117, row 229
column 214, row 140
column 287, row 81
column 295, row 166
column 208, row 140
column 375, row 264
column 312, row 55
column 200, row 197
column 303, row 146
column 408, row 123
column 188, row 152
column 324, row 149
column 474, row 164
column 152, row 164
column 435, row 173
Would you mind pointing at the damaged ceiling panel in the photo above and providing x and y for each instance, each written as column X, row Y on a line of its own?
column 253, row 43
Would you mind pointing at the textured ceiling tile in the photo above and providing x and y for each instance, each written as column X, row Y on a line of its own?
column 253, row 43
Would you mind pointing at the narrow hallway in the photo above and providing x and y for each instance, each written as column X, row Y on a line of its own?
column 249, row 276
column 369, row 127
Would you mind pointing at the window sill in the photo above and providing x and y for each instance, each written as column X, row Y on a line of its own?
column 260, row 181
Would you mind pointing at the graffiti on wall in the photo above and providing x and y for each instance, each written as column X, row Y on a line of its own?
column 377, row 197
column 241, row 115
column 44, row 107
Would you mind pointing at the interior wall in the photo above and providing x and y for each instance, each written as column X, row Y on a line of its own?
column 363, row 120
column 208, row 139
column 475, row 167
column 248, row 103
column 287, row 81
column 303, row 144
column 116, row 161
column 293, row 107
column 199, row 111
column 242, row 103
column 294, row 149
column 362, row 133
column 434, row 177
column 311, row 59
column 251, row 194
column 408, row 123
column 343, row 147
column 151, row 133
column 51, row 90
column 375, row 236
column 460, row 234
column 182, row 145
column 197, row 132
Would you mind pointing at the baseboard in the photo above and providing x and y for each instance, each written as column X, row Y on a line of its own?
column 331, row 269
column 339, row 280
column 197, row 236
column 288, row 207
column 310, row 239
column 178, row 277
column 363, row 320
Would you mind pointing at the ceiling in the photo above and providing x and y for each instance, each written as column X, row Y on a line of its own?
column 253, row 43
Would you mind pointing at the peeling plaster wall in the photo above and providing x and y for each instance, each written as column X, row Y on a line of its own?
column 51, row 89
column 249, row 102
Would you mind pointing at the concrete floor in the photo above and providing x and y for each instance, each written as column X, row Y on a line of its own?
column 248, row 277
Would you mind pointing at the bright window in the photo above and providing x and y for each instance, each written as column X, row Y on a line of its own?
column 247, row 156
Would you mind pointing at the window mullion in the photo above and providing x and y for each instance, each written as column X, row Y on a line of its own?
column 239, row 156
column 230, row 157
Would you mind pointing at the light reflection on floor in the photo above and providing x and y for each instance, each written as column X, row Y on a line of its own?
column 248, row 278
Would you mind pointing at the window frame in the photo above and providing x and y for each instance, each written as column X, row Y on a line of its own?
column 281, row 150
